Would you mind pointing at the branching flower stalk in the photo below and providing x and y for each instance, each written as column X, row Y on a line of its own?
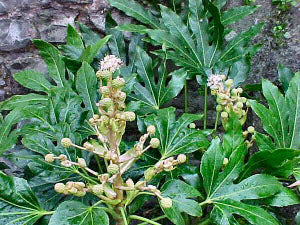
column 109, row 126
column 229, row 99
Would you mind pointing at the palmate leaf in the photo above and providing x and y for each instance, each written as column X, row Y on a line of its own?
column 226, row 196
column 76, row 213
column 181, row 194
column 150, row 95
column 282, row 119
column 7, row 138
column 175, row 136
column 18, row 204
column 197, row 47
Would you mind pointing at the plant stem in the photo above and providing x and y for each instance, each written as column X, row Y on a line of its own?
column 185, row 97
column 206, row 221
column 134, row 217
column 155, row 219
column 217, row 120
column 123, row 216
column 205, row 107
column 98, row 163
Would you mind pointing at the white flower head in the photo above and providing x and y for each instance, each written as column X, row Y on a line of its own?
column 110, row 63
column 216, row 81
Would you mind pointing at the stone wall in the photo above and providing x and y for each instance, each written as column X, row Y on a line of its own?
column 23, row 20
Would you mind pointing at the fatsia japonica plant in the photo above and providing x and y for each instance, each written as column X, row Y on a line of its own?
column 78, row 163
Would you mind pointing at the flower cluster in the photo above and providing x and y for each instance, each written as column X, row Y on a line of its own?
column 229, row 99
column 109, row 127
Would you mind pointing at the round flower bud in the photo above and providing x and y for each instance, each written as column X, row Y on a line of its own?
column 81, row 162
column 104, row 90
column 62, row 157
column 88, row 146
column 149, row 173
column 251, row 129
column 79, row 185
column 239, row 105
column 224, row 115
column 245, row 133
column 66, row 163
column 219, row 108
column 130, row 183
column 66, row 142
column 166, row 203
column 103, row 177
column 97, row 189
column 73, row 190
column 248, row 104
column 103, row 74
column 151, row 129
column 223, row 77
column 80, row 193
column 113, row 168
column 154, row 142
column 181, row 158
column 118, row 83
column 59, row 187
column 229, row 82
column 243, row 100
column 129, row 116
column 239, row 90
column 106, row 102
column 234, row 91
column 49, row 158
column 192, row 125
column 121, row 96
column 159, row 165
column 225, row 161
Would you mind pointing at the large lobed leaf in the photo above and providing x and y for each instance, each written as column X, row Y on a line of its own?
column 18, row 204
column 175, row 136
column 228, row 197
column 282, row 118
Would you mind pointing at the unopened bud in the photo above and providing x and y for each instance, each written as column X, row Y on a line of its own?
column 49, row 158
column 166, row 203
column 248, row 104
column 113, row 168
column 106, row 102
column 66, row 163
column 225, row 161
column 234, row 91
column 66, row 142
column 81, row 162
column 103, row 177
column 121, row 96
column 229, row 82
column 181, row 158
column 97, row 189
column 59, row 187
column 239, row 105
column 243, row 100
column 88, row 146
column 251, row 129
column 80, row 193
column 129, row 116
column 192, row 125
column 239, row 90
column 118, row 83
column 219, row 108
column 103, row 74
column 62, row 157
column 104, row 90
column 154, row 142
column 151, row 129
column 130, row 183
column 224, row 115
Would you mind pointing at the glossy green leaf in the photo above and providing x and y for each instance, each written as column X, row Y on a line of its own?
column 233, row 137
column 76, row 213
column 225, row 209
column 33, row 80
column 281, row 120
column 134, row 9
column 73, row 38
column 224, row 194
column 175, row 136
column 91, row 51
column 18, row 204
column 133, row 28
column 154, row 94
column 264, row 142
column 272, row 162
column 19, row 101
column 180, row 193
column 53, row 59
column 283, row 198
column 86, row 85
column 7, row 138
column 285, row 76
